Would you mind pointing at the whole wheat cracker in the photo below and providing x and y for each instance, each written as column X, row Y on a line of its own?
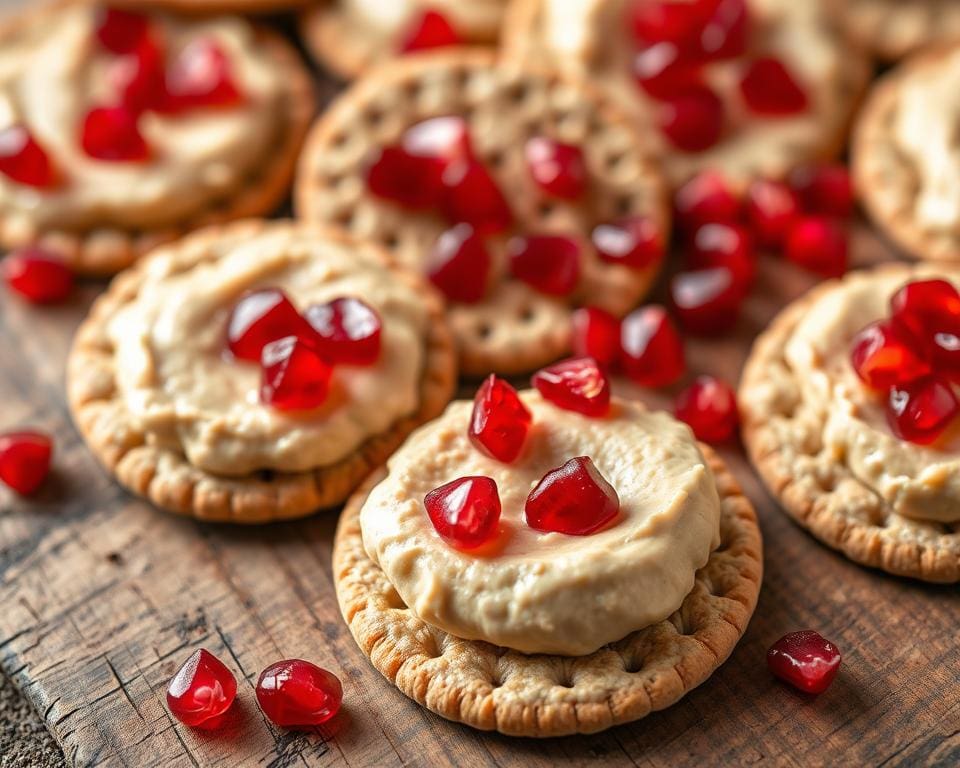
column 893, row 29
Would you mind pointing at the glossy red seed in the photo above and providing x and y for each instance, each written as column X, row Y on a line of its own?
column 443, row 138
column 500, row 421
column 662, row 70
column 651, row 350
column 112, row 134
column 724, row 36
column 707, row 301
column 411, row 182
column 295, row 692
column 120, row 31
column 200, row 77
column 295, row 377
column 459, row 265
column 674, row 21
column 430, row 30
column 24, row 160
column 596, row 334
column 347, row 331
column 709, row 407
column 260, row 317
column 557, row 168
column 574, row 499
column 824, row 189
column 471, row 195
column 921, row 411
column 706, row 198
column 725, row 245
column 693, row 119
column 635, row 242
column 465, row 512
column 139, row 77
column 772, row 208
column 202, row 691
column 25, row 460
column 578, row 384
column 39, row 276
column 548, row 263
column 769, row 89
column 927, row 312
column 806, row 660
column 882, row 357
column 818, row 243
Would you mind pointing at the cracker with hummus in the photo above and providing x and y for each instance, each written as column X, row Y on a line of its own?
column 893, row 29
column 521, row 194
column 122, row 130
column 871, row 472
column 258, row 370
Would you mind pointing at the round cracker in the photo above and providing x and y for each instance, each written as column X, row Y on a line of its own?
column 165, row 476
column 893, row 29
column 814, row 486
column 493, row 688
column 515, row 329
column 213, row 7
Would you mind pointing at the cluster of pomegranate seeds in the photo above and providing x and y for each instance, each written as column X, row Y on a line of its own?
column 429, row 30
column 574, row 499
column 806, row 660
column 202, row 691
column 24, row 160
column 500, row 421
column 295, row 692
column 556, row 167
column 39, row 276
column 578, row 384
column 465, row 512
column 25, row 460
column 709, row 407
column 634, row 242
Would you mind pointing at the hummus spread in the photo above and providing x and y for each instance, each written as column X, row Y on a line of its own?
column 548, row 592
column 187, row 395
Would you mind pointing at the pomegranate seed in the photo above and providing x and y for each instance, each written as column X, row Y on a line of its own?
column 471, row 195
column 500, row 421
column 347, row 331
column 460, row 265
column 411, row 182
column 927, row 312
column 693, row 119
column 295, row 692
column 200, row 78
column 772, row 209
column 725, row 245
column 922, row 410
column 634, row 242
column 769, row 89
column 824, row 189
column 654, row 21
column 430, row 30
column 112, row 134
column 725, row 34
column 574, row 499
column 805, row 660
column 704, row 199
column 295, row 376
column 557, row 168
column 442, row 138
column 120, row 31
column 138, row 77
column 709, row 407
column 25, row 460
column 548, row 263
column 883, row 358
column 578, row 384
column 202, row 691
column 24, row 160
column 465, row 512
column 707, row 300
column 261, row 317
column 37, row 275
column 818, row 243
column 596, row 334
column 651, row 350
column 661, row 70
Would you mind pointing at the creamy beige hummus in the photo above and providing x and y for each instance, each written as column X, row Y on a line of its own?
column 548, row 592
column 185, row 394
column 920, row 482
column 55, row 72
column 476, row 19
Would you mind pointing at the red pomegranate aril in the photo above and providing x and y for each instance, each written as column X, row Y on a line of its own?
column 693, row 119
column 574, row 499
column 709, row 407
column 921, row 411
column 295, row 377
column 725, row 245
column 25, row 461
column 295, row 692
column 443, row 138
column 500, row 421
column 465, row 512
column 725, row 34
column 548, row 263
column 922, row 308
column 772, row 208
column 200, row 77
column 819, row 244
column 430, row 30
column 883, row 358
column 557, row 168
column 824, row 189
column 202, row 691
column 459, row 265
column 347, row 331
column 471, row 195
column 654, row 21
column 635, row 242
column 139, row 77
column 651, row 350
column 770, row 89
column 24, row 160
column 412, row 182
column 39, row 276
column 578, row 384
column 662, row 71
column 260, row 317
column 596, row 334
column 704, row 199
column 806, row 660
column 120, row 31
column 707, row 301
column 112, row 134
